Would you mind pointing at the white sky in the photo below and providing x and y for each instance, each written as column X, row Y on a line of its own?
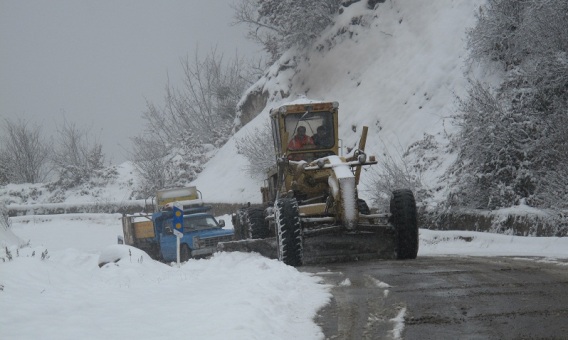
column 96, row 62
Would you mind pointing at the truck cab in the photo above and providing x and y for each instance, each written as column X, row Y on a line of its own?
column 154, row 234
column 201, row 233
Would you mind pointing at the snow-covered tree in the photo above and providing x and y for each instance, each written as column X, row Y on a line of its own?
column 5, row 221
column 513, row 138
column 77, row 156
column 24, row 153
column 162, row 165
column 195, row 119
column 395, row 171
column 4, row 167
column 256, row 146
column 205, row 104
column 279, row 24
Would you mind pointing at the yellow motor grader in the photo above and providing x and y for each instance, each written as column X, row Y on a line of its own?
column 311, row 210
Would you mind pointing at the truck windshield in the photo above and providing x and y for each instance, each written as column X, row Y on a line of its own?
column 192, row 223
column 196, row 223
column 309, row 131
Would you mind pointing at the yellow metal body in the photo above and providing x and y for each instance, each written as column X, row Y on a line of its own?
column 321, row 188
column 287, row 118
column 166, row 196
column 285, row 122
column 143, row 229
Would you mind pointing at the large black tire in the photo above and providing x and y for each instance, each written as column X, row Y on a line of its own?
column 404, row 219
column 289, row 231
column 184, row 253
column 363, row 207
column 250, row 223
column 255, row 223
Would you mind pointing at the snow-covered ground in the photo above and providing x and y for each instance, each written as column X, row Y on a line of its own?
column 65, row 295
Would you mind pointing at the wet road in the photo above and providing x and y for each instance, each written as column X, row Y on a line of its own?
column 446, row 298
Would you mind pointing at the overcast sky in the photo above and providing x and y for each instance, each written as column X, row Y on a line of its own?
column 97, row 62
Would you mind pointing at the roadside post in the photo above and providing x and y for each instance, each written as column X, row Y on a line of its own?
column 178, row 227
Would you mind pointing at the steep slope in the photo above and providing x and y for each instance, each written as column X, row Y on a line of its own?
column 396, row 68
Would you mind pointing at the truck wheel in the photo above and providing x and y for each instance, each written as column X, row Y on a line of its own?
column 256, row 224
column 289, row 231
column 363, row 207
column 403, row 210
column 184, row 253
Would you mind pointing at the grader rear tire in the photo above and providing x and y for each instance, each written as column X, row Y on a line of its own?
column 363, row 207
column 289, row 231
column 256, row 224
column 404, row 218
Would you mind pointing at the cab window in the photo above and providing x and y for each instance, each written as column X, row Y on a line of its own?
column 199, row 223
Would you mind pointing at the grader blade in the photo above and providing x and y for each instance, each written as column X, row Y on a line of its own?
column 332, row 248
column 266, row 247
column 327, row 248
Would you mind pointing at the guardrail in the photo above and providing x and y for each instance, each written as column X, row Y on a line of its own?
column 123, row 207
column 72, row 208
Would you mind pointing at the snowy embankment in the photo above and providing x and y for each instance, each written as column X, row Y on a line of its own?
column 471, row 243
column 52, row 288
column 396, row 69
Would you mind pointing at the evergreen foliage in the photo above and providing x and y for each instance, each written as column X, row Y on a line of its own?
column 513, row 145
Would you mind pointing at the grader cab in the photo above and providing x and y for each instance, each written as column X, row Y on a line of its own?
column 310, row 201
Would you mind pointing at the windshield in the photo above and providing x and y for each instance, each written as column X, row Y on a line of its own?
column 191, row 223
column 309, row 131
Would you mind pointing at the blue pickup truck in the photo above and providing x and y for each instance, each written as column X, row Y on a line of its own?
column 154, row 234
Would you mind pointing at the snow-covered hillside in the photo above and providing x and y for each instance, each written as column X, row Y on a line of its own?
column 396, row 69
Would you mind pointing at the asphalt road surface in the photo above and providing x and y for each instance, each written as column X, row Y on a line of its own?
column 446, row 298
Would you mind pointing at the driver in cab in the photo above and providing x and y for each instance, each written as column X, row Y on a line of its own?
column 300, row 140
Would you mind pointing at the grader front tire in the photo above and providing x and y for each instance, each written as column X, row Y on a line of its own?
column 404, row 218
column 289, row 232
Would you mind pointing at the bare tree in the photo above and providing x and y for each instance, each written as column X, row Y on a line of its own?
column 391, row 173
column 150, row 163
column 161, row 165
column 195, row 119
column 25, row 153
column 206, row 104
column 5, row 221
column 256, row 146
column 77, row 155
column 4, row 167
